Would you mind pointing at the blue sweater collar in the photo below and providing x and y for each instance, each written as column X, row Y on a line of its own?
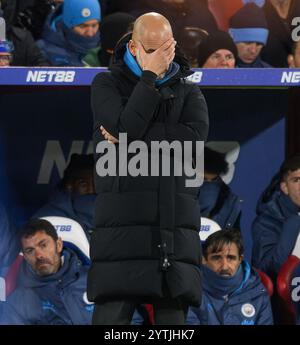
column 135, row 68
column 288, row 207
column 220, row 286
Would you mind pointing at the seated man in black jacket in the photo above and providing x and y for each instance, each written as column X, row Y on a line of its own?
column 216, row 199
column 75, row 195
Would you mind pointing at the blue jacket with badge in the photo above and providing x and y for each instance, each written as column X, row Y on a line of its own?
column 61, row 45
column 274, row 231
column 238, row 300
column 58, row 299
column 218, row 203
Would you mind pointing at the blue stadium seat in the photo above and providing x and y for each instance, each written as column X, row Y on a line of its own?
column 207, row 228
column 73, row 236
column 284, row 290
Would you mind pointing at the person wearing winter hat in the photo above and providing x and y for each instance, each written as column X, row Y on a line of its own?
column 6, row 47
column 249, row 30
column 83, row 16
column 70, row 31
column 217, row 51
column 189, row 41
column 5, row 53
column 280, row 16
column 113, row 27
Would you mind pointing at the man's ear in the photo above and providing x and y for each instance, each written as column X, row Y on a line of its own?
column 290, row 60
column 284, row 188
column 59, row 245
column 131, row 47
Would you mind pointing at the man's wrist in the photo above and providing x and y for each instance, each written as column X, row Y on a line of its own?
column 149, row 77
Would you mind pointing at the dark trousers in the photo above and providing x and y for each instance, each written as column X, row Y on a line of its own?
column 166, row 312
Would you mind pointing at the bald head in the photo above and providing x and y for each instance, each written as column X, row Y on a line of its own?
column 152, row 43
column 152, row 30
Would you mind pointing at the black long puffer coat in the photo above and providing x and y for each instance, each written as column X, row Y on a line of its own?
column 146, row 240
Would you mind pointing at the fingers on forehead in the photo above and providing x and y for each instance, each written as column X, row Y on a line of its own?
column 168, row 43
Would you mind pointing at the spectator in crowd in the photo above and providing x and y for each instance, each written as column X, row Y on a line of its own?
column 216, row 199
column 249, row 30
column 189, row 41
column 28, row 14
column 217, row 51
column 280, row 15
column 9, row 246
column 6, row 47
column 180, row 13
column 232, row 291
column 51, row 288
column 146, row 242
column 75, row 195
column 32, row 14
column 294, row 57
column 7, row 10
column 71, row 31
column 113, row 27
column 296, row 296
column 5, row 53
column 276, row 227
column 25, row 51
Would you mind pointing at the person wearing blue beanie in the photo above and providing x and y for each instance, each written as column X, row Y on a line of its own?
column 5, row 46
column 5, row 53
column 71, row 31
column 249, row 31
column 81, row 12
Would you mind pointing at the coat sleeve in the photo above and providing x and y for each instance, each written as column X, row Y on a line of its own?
column 137, row 319
column 273, row 242
column 192, row 319
column 265, row 316
column 117, row 115
column 12, row 312
column 9, row 246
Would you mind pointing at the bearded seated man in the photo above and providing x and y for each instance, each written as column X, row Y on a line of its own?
column 51, row 286
column 233, row 293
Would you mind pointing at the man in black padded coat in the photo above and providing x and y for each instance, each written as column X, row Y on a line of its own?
column 146, row 244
